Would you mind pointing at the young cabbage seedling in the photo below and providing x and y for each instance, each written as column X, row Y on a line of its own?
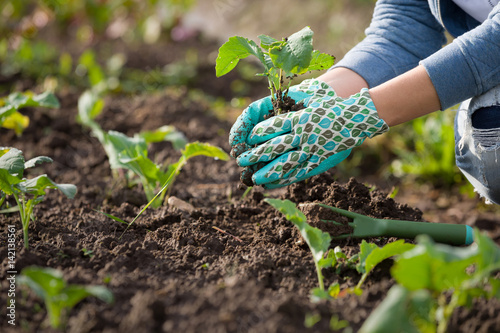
column 434, row 279
column 131, row 153
column 59, row 297
column 371, row 255
column 191, row 150
column 282, row 60
column 318, row 241
column 27, row 192
column 9, row 108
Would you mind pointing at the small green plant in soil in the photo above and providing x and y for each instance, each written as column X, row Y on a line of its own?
column 282, row 60
column 371, row 255
column 11, row 118
column 191, row 150
column 433, row 280
column 59, row 297
column 317, row 240
column 27, row 192
column 131, row 153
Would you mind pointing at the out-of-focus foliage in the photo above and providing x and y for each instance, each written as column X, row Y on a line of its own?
column 130, row 19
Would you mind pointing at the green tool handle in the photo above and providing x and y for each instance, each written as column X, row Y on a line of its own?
column 454, row 234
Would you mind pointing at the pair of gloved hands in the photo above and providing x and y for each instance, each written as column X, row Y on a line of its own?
column 297, row 145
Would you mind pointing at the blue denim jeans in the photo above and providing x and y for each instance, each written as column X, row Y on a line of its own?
column 477, row 150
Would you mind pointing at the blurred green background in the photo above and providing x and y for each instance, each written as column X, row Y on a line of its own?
column 147, row 46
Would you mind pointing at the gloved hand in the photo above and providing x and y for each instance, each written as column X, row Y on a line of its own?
column 252, row 115
column 301, row 144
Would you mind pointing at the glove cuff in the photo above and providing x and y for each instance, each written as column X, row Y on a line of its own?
column 365, row 114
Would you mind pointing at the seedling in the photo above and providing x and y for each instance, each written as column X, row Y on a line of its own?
column 131, row 153
column 371, row 255
column 27, row 192
column 427, row 276
column 282, row 60
column 11, row 118
column 317, row 240
column 191, row 150
column 59, row 297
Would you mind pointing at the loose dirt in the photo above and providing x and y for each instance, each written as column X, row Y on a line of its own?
column 172, row 271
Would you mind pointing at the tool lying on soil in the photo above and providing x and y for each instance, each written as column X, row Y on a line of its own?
column 364, row 226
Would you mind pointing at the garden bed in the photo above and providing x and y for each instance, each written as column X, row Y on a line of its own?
column 172, row 271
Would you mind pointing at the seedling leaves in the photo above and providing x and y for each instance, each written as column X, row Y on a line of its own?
column 320, row 61
column 317, row 240
column 12, row 160
column 49, row 285
column 392, row 315
column 37, row 186
column 233, row 50
column 294, row 56
column 436, row 267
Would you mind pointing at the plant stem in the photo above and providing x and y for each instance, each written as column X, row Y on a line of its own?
column 24, row 215
column 320, row 276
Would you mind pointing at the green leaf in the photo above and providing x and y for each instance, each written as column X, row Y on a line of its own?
column 7, row 182
column 45, row 282
column 393, row 314
column 321, row 61
column 12, row 160
column 49, row 285
column 198, row 148
column 266, row 41
column 436, row 267
column 165, row 133
column 46, row 99
column 289, row 209
column 37, row 160
column 365, row 250
column 118, row 146
column 74, row 294
column 38, row 185
column 89, row 106
column 295, row 55
column 94, row 71
column 389, row 250
column 489, row 253
column 233, row 50
column 16, row 121
column 318, row 241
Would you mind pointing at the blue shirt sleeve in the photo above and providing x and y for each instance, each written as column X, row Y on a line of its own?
column 401, row 33
column 470, row 65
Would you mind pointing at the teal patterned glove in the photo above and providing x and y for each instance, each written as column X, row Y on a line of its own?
column 301, row 144
column 252, row 115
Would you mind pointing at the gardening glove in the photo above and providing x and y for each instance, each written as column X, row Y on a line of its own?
column 252, row 115
column 301, row 144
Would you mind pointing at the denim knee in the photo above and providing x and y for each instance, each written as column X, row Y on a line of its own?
column 477, row 156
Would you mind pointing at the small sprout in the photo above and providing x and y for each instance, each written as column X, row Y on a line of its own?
column 318, row 241
column 131, row 153
column 87, row 253
column 27, row 192
column 311, row 319
column 434, row 279
column 59, row 297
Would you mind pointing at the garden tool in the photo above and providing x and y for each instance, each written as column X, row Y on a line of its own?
column 364, row 226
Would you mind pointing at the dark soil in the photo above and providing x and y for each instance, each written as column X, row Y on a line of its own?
column 172, row 271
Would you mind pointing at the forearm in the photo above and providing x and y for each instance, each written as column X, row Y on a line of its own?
column 406, row 97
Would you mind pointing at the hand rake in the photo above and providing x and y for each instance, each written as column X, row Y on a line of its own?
column 364, row 226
